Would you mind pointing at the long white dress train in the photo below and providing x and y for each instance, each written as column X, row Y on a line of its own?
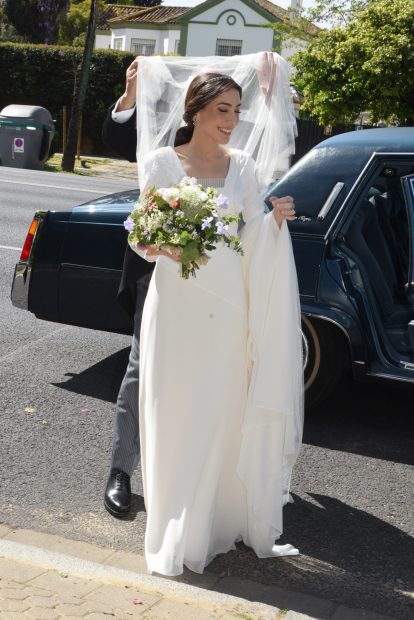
column 220, row 386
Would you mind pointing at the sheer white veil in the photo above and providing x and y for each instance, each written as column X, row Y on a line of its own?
column 267, row 126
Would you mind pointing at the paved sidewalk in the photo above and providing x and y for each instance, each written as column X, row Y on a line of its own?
column 112, row 168
column 44, row 576
column 101, row 166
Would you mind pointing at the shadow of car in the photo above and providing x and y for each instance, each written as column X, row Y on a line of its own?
column 353, row 245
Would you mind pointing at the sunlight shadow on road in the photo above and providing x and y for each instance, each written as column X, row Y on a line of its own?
column 359, row 561
column 102, row 380
column 370, row 419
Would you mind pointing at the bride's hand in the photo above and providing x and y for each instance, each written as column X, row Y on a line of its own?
column 166, row 250
column 283, row 209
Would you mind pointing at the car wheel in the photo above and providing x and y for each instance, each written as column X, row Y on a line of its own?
column 325, row 359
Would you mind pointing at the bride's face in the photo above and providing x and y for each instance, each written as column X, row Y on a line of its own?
column 219, row 117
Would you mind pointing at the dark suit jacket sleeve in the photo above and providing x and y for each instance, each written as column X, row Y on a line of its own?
column 136, row 274
column 121, row 137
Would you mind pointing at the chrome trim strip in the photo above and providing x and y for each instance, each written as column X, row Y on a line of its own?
column 329, row 320
column 23, row 270
column 381, row 375
column 89, row 268
column 305, row 350
column 336, row 190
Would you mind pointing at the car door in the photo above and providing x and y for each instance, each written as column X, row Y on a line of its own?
column 408, row 189
column 375, row 242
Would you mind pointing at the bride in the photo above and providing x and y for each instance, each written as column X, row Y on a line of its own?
column 220, row 368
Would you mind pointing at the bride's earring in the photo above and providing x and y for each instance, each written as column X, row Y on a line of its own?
column 194, row 120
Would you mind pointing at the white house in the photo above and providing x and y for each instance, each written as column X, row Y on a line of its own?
column 213, row 28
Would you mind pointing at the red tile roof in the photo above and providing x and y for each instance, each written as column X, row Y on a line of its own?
column 155, row 15
column 275, row 10
column 116, row 13
column 110, row 11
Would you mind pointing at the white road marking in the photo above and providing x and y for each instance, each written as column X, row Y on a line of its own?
column 73, row 189
column 34, row 342
column 10, row 247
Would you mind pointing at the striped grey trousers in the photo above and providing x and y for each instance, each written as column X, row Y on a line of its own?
column 125, row 441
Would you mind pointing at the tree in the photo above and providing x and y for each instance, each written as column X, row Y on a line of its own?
column 81, row 84
column 334, row 12
column 365, row 65
column 7, row 32
column 73, row 23
column 36, row 20
column 303, row 25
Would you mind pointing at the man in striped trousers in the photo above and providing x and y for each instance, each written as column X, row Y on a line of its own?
column 119, row 133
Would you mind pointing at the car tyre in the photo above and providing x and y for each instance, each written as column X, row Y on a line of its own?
column 327, row 359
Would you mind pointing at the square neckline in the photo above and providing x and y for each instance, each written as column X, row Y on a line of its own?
column 224, row 179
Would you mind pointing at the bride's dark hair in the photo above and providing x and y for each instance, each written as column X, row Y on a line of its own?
column 203, row 89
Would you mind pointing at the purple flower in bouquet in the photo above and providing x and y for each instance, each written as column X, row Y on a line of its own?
column 129, row 224
column 206, row 223
column 221, row 228
column 222, row 201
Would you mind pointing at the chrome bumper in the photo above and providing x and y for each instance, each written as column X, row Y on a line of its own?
column 20, row 286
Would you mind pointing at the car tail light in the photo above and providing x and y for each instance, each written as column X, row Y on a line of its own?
column 29, row 240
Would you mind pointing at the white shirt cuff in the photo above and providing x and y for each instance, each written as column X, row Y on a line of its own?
column 123, row 116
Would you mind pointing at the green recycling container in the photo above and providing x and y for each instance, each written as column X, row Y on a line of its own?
column 26, row 133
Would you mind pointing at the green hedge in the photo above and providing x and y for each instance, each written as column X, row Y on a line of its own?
column 45, row 75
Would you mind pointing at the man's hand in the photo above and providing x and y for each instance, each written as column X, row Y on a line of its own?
column 128, row 99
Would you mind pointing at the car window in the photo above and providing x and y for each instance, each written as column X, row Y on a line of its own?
column 382, row 217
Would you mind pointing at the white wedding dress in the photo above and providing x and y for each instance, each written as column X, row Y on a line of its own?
column 220, row 386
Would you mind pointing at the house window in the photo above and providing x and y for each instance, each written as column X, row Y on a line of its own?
column 118, row 43
column 176, row 46
column 228, row 47
column 143, row 47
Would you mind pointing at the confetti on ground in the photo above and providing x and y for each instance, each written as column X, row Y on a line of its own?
column 85, row 410
column 137, row 601
column 45, row 422
column 29, row 409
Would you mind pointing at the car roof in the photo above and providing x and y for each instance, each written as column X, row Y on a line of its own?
column 398, row 139
column 340, row 158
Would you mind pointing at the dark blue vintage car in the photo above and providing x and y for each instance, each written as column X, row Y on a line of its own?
column 353, row 243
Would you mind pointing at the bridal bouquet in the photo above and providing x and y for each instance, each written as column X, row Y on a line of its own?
column 186, row 217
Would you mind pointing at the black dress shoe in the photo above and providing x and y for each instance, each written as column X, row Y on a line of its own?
column 118, row 493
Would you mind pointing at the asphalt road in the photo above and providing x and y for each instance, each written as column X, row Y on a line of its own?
column 353, row 484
